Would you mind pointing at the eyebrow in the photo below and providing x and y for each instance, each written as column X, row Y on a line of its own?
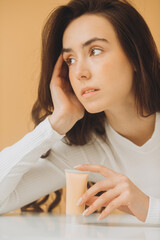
column 85, row 44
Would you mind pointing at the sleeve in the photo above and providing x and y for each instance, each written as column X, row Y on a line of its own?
column 24, row 175
column 153, row 216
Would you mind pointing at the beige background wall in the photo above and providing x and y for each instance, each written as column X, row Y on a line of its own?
column 21, row 23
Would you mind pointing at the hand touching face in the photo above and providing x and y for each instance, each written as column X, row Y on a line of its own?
column 67, row 108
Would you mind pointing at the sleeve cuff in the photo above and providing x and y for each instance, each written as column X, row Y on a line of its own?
column 153, row 216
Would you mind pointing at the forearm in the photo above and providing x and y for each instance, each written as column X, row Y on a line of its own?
column 153, row 215
column 17, row 159
column 42, row 179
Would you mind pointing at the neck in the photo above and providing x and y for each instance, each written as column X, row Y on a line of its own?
column 131, row 125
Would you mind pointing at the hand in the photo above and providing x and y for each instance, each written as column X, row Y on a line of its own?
column 67, row 108
column 120, row 193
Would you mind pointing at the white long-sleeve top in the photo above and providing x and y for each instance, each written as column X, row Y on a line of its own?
column 25, row 176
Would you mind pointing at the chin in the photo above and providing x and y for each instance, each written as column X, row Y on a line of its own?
column 94, row 109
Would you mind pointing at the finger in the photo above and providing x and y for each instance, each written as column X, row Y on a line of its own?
column 104, row 171
column 114, row 204
column 56, row 75
column 64, row 71
column 91, row 200
column 102, row 201
column 97, row 187
column 58, row 66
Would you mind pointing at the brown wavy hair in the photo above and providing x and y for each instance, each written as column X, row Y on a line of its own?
column 136, row 41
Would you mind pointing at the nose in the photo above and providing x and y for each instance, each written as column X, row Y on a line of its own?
column 83, row 71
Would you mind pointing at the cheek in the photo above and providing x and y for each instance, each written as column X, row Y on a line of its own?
column 118, row 71
column 73, row 82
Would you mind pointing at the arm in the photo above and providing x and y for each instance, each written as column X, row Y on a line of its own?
column 20, row 164
column 23, row 172
column 153, row 215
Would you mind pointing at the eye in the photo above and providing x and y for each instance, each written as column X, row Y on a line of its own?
column 95, row 51
column 69, row 61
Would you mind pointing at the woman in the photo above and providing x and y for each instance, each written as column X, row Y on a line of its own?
column 98, row 107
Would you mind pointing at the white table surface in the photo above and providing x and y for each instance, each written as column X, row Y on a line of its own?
column 50, row 226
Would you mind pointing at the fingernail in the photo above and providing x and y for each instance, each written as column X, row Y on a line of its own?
column 77, row 166
column 100, row 217
column 79, row 201
column 85, row 211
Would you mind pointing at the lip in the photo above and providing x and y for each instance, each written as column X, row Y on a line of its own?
column 87, row 89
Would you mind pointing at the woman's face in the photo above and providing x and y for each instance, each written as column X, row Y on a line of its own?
column 99, row 71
